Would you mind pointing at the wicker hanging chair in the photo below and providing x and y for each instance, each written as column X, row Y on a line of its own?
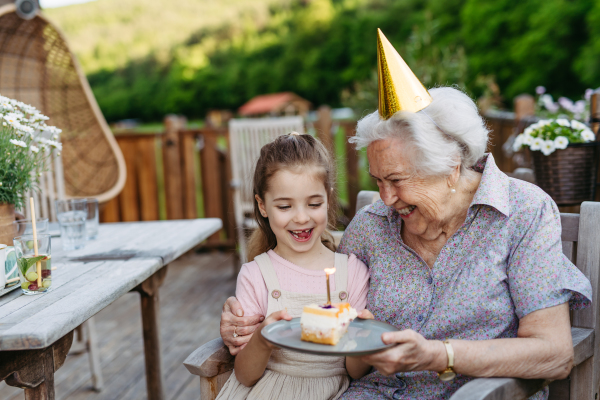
column 37, row 68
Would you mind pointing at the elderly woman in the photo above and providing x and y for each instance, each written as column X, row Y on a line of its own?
column 462, row 259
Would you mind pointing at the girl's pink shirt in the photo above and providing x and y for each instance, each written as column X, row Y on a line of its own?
column 251, row 290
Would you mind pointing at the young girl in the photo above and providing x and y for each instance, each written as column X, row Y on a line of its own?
column 293, row 186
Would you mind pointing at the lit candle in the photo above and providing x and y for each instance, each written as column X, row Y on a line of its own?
column 328, row 271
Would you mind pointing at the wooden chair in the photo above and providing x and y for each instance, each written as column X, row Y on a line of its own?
column 246, row 137
column 581, row 244
column 37, row 68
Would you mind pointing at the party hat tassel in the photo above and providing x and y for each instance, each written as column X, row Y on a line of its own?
column 399, row 88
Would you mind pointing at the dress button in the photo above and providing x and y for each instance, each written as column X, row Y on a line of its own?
column 420, row 318
column 276, row 294
column 430, row 280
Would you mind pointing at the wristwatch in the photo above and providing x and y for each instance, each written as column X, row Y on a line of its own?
column 448, row 374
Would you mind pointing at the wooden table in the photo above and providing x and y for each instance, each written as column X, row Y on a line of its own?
column 36, row 332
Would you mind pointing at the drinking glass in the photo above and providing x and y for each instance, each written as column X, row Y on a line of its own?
column 27, row 263
column 91, row 223
column 71, row 216
column 25, row 227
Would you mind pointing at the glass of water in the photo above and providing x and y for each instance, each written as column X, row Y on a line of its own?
column 72, row 215
column 25, row 226
column 91, row 223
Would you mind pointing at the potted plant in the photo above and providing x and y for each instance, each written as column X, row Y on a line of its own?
column 25, row 146
column 564, row 154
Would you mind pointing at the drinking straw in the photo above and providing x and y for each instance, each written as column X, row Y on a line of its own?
column 38, row 264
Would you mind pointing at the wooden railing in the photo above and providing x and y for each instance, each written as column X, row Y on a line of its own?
column 185, row 173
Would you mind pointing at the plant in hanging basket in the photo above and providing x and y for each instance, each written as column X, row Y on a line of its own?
column 565, row 156
column 25, row 147
column 550, row 135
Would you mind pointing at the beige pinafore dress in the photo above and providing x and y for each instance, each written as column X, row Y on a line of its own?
column 289, row 374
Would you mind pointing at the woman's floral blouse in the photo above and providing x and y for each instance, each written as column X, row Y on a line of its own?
column 505, row 262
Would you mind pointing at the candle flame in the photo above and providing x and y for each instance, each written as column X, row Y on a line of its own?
column 329, row 271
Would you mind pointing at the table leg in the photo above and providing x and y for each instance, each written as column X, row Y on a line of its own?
column 33, row 370
column 151, row 326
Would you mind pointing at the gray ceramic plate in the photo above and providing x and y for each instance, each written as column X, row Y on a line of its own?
column 363, row 337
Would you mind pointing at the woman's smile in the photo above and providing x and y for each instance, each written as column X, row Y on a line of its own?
column 407, row 211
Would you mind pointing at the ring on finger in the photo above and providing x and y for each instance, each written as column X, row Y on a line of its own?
column 234, row 332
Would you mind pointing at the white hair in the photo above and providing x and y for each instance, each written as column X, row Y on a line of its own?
column 458, row 135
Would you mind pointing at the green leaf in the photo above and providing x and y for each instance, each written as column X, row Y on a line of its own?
column 26, row 263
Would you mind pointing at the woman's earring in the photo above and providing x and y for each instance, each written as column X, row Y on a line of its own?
column 452, row 190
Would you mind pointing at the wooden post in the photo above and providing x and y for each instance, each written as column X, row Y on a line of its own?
column 524, row 106
column 351, row 169
column 323, row 126
column 128, row 199
column 151, row 326
column 188, row 150
column 595, row 111
column 211, row 179
column 146, row 172
column 109, row 212
column 172, row 166
column 229, row 214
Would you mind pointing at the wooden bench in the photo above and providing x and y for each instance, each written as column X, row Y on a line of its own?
column 581, row 244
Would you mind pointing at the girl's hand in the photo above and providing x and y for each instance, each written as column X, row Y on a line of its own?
column 276, row 316
column 413, row 353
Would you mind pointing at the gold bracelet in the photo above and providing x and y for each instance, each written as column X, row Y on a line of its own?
column 448, row 374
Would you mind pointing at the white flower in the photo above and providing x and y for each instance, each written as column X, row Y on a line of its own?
column 548, row 147
column 563, row 122
column 544, row 122
column 52, row 130
column 588, row 135
column 527, row 139
column 18, row 143
column 529, row 129
column 537, row 144
column 561, row 142
column 54, row 144
column 518, row 142
column 578, row 125
column 34, row 149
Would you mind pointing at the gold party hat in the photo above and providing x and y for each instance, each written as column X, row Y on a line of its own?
column 399, row 88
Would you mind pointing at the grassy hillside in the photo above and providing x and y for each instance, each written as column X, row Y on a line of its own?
column 108, row 34
column 145, row 59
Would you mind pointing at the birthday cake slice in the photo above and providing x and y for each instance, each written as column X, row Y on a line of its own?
column 326, row 324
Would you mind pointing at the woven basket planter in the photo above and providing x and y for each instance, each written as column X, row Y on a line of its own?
column 569, row 175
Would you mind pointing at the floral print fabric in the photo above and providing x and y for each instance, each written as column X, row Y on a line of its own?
column 505, row 262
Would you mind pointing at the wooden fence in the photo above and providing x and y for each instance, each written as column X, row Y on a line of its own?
column 185, row 173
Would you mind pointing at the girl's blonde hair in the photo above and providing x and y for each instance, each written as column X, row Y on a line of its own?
column 290, row 151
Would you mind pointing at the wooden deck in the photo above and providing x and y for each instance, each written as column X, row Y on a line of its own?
column 191, row 299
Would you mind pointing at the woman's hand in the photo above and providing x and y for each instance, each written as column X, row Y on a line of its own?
column 412, row 353
column 233, row 320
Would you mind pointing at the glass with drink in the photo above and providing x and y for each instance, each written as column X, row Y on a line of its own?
column 34, row 280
